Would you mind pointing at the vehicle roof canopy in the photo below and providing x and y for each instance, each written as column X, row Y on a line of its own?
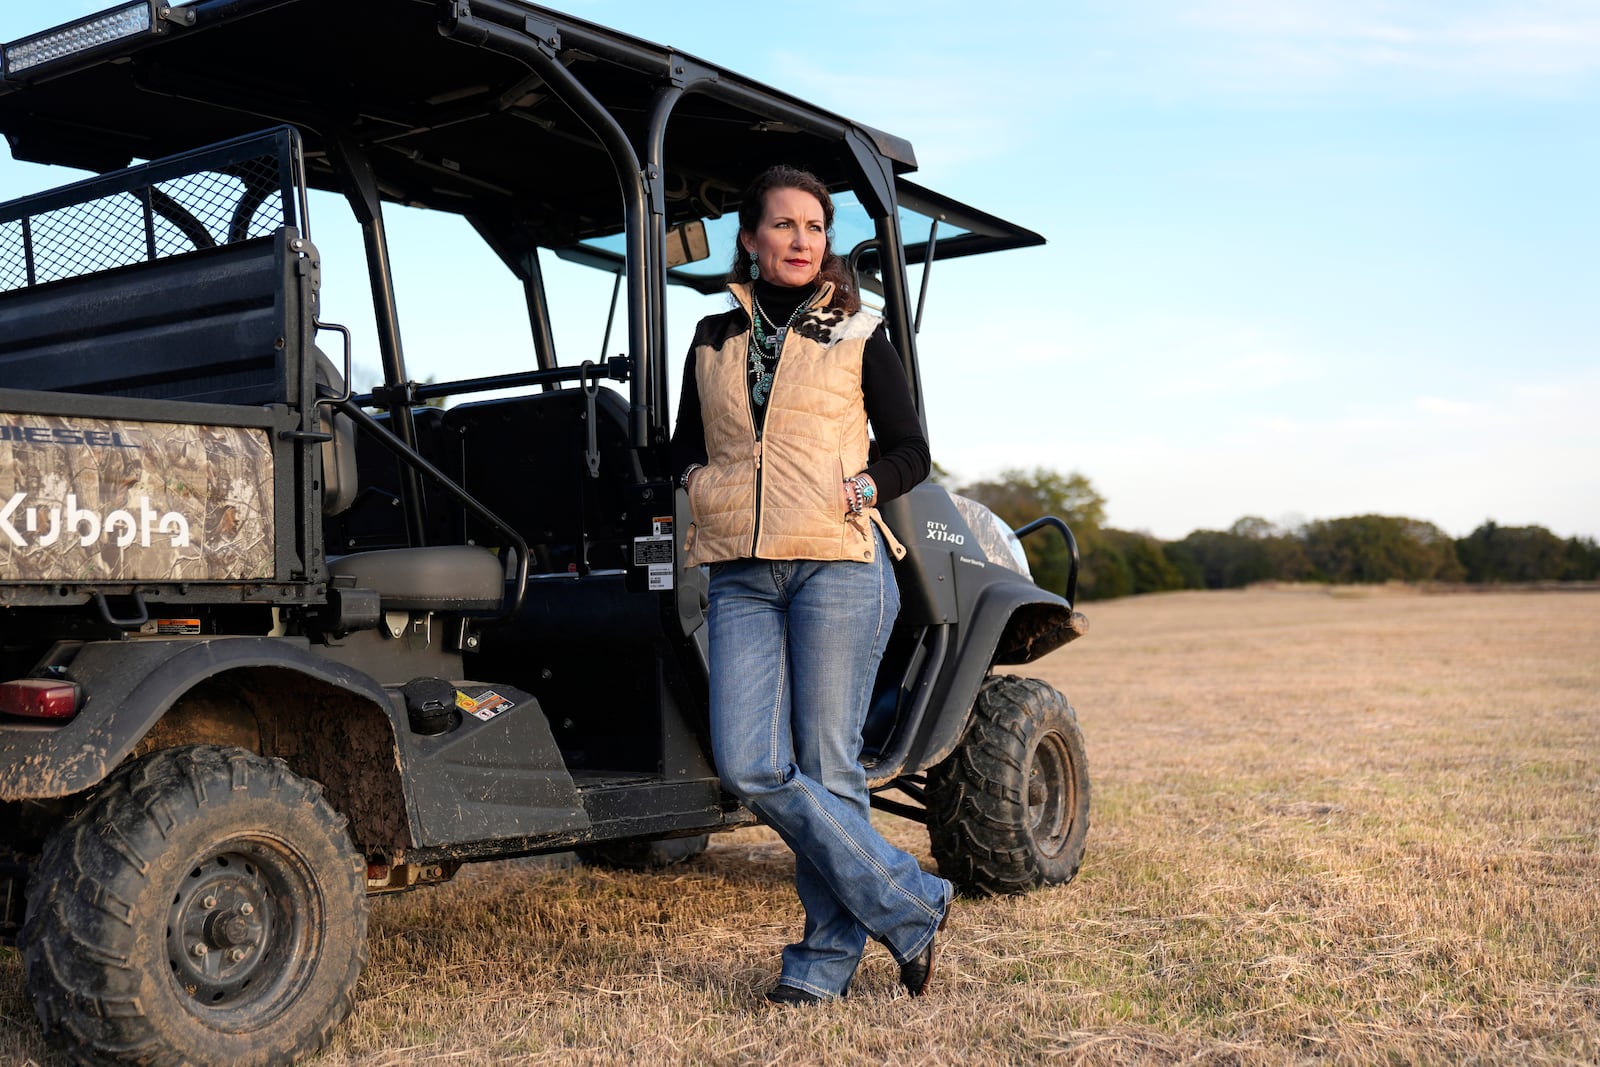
column 542, row 129
column 445, row 126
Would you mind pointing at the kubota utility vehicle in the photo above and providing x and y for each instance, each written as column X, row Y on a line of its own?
column 269, row 645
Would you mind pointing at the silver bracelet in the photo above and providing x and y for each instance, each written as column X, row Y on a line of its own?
column 859, row 492
column 683, row 479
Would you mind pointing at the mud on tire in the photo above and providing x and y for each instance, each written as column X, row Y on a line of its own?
column 205, row 907
column 1008, row 810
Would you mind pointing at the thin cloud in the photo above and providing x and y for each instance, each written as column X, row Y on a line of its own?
column 950, row 108
column 1442, row 406
column 1194, row 359
column 1527, row 46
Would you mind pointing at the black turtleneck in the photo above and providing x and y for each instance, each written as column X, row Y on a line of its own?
column 779, row 301
column 900, row 455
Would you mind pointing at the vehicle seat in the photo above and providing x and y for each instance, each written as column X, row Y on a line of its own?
column 458, row 578
column 340, row 479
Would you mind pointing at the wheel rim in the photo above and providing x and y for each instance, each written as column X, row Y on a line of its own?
column 1051, row 795
column 241, row 930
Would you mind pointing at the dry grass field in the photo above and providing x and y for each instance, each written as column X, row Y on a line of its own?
column 1355, row 826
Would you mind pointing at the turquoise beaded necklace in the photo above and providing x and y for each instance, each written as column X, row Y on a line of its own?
column 765, row 346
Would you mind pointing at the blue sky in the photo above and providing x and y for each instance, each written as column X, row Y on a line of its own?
column 1305, row 260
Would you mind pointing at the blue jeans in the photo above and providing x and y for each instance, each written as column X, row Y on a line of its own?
column 795, row 645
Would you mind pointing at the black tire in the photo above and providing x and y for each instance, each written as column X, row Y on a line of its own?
column 644, row 855
column 1008, row 811
column 205, row 907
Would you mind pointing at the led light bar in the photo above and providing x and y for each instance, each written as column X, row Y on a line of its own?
column 85, row 36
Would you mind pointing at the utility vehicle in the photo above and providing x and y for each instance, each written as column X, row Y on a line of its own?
column 269, row 644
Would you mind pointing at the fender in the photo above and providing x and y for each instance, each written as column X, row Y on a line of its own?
column 996, row 615
column 1007, row 619
column 128, row 686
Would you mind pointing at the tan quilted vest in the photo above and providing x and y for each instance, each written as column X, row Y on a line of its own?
column 778, row 497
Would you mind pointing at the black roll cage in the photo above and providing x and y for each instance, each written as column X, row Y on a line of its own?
column 509, row 28
column 403, row 125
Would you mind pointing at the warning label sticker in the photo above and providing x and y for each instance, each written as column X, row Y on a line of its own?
column 647, row 550
column 655, row 553
column 485, row 705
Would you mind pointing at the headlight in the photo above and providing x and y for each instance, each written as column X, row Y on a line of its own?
column 998, row 543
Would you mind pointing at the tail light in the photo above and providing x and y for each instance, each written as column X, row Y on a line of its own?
column 39, row 698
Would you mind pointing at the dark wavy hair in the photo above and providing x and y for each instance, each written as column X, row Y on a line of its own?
column 753, row 206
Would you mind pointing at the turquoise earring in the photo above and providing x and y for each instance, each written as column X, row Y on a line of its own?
column 755, row 270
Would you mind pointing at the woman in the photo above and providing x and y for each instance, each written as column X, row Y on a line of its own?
column 772, row 447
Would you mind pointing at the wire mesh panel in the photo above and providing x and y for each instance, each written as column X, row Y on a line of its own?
column 13, row 256
column 218, row 196
column 85, row 238
column 165, row 281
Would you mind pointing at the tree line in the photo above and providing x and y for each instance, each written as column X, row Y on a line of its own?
column 1361, row 548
